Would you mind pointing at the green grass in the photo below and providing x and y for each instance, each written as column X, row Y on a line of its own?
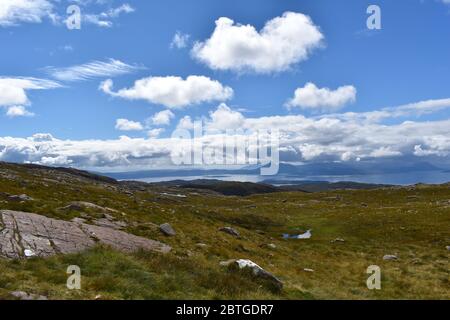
column 412, row 223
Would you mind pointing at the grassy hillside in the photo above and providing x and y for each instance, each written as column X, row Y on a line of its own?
column 411, row 223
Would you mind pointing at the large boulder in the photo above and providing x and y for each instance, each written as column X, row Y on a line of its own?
column 257, row 271
column 24, row 235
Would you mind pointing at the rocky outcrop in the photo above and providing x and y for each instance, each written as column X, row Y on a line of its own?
column 27, row 234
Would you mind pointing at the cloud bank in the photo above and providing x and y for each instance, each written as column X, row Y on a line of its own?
column 340, row 137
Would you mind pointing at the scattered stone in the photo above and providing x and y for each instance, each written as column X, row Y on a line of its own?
column 22, row 197
column 306, row 235
column 308, row 270
column 167, row 230
column 447, row 247
column 230, row 231
column 338, row 240
column 256, row 270
column 333, row 198
column 201, row 245
column 22, row 295
column 268, row 246
column 173, row 195
column 445, row 203
column 98, row 297
column 27, row 234
column 390, row 257
column 83, row 205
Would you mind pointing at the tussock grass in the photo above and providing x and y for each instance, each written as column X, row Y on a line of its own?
column 412, row 223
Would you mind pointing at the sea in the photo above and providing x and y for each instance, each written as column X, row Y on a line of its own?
column 409, row 178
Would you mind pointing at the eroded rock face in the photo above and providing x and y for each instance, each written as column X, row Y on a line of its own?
column 27, row 234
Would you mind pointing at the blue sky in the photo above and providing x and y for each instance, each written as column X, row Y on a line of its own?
column 350, row 69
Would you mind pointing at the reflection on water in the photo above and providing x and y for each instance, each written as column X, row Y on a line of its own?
column 430, row 177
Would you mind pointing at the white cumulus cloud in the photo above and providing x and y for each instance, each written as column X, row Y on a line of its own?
column 185, row 123
column 324, row 99
column 155, row 133
column 283, row 42
column 224, row 118
column 104, row 19
column 171, row 91
column 162, row 118
column 13, row 93
column 14, row 12
column 18, row 111
column 128, row 125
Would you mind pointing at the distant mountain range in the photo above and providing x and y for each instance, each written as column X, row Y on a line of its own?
column 289, row 170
